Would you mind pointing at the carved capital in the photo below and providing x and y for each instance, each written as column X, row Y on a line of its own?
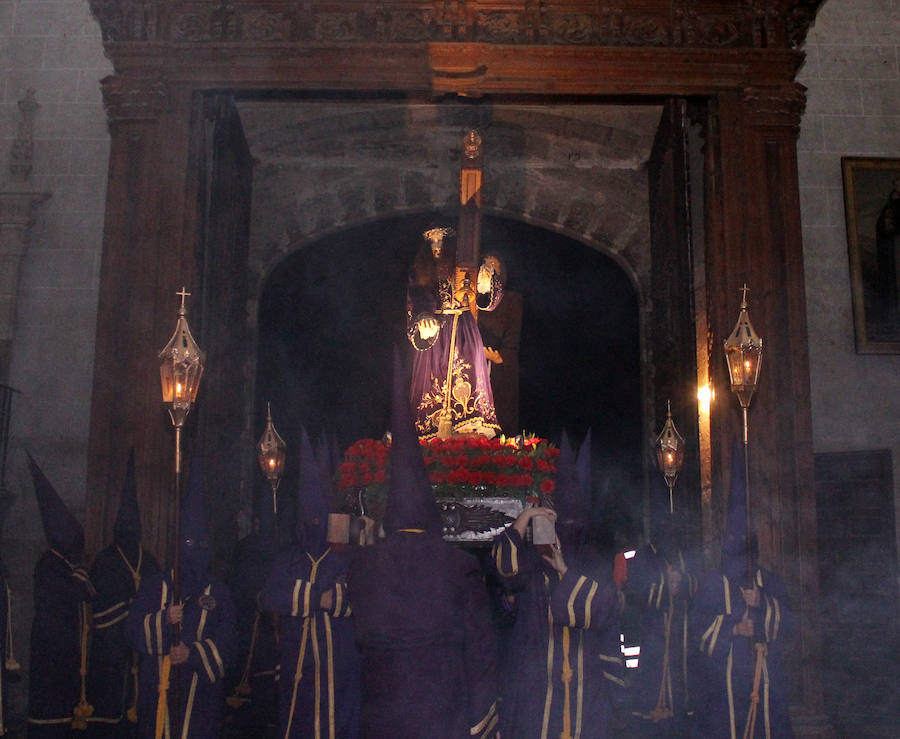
column 133, row 99
column 128, row 20
column 780, row 105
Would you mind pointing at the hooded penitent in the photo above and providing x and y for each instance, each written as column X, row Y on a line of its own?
column 127, row 528
column 312, row 501
column 410, row 502
column 63, row 531
column 735, row 549
column 573, row 506
column 664, row 533
column 194, row 535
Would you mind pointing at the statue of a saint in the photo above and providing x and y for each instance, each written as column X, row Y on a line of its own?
column 450, row 390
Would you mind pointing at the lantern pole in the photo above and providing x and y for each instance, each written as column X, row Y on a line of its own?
column 743, row 352
column 181, row 367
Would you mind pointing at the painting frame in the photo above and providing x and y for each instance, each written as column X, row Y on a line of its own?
column 872, row 211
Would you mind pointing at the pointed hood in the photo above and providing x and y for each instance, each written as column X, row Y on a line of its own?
column 583, row 500
column 734, row 543
column 326, row 465
column 267, row 533
column 565, row 472
column 410, row 503
column 334, row 452
column 63, row 531
column 194, row 536
column 573, row 481
column 312, row 500
column 127, row 528
column 664, row 534
column 574, row 507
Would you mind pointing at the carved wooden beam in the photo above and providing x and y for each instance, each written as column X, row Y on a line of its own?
column 661, row 23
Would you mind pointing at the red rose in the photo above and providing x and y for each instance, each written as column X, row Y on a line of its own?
column 526, row 463
column 548, row 485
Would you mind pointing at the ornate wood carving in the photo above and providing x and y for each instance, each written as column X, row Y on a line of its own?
column 776, row 106
column 133, row 99
column 711, row 24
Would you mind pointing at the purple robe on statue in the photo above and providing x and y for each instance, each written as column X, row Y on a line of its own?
column 423, row 622
column 564, row 627
column 472, row 400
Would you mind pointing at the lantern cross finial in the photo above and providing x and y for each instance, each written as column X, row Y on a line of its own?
column 183, row 293
column 744, row 291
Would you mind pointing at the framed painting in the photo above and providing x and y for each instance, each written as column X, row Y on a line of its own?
column 872, row 209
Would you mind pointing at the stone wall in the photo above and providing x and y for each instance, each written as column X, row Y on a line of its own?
column 54, row 48
column 853, row 109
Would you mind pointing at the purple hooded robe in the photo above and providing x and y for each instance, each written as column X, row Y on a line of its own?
column 421, row 613
column 319, row 681
column 196, row 698
column 563, row 664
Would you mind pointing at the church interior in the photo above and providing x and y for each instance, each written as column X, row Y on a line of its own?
column 643, row 162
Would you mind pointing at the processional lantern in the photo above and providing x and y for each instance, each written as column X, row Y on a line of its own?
column 743, row 352
column 670, row 453
column 181, row 365
column 270, row 452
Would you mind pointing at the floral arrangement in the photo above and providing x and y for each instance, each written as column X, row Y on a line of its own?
column 459, row 467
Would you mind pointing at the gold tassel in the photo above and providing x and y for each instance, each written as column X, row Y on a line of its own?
column 243, row 690
column 131, row 713
column 84, row 710
column 12, row 664
column 162, row 702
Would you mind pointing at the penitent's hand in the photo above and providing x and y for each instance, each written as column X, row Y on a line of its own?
column 179, row 654
column 555, row 559
column 175, row 613
column 751, row 597
column 743, row 628
column 326, row 600
column 367, row 535
column 521, row 523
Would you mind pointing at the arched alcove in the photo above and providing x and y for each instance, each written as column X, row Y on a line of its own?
column 330, row 312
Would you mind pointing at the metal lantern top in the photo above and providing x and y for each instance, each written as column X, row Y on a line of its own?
column 181, row 365
column 670, row 449
column 270, row 451
column 743, row 352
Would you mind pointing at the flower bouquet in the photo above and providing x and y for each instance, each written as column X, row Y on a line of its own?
column 460, row 468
